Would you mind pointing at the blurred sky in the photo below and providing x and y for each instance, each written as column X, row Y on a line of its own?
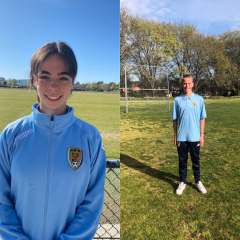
column 90, row 27
column 211, row 17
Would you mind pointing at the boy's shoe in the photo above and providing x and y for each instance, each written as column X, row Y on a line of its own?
column 180, row 188
column 200, row 187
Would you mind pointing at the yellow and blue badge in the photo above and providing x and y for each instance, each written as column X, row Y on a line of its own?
column 194, row 104
column 74, row 157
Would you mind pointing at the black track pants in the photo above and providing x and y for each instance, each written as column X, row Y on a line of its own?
column 183, row 148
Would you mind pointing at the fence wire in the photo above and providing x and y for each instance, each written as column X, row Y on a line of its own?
column 109, row 227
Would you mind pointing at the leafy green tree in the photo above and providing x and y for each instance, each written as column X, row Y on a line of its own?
column 100, row 86
column 14, row 82
column 112, row 86
column 189, row 54
column 216, row 65
column 152, row 45
column 9, row 82
column 88, row 86
column 2, row 82
column 83, row 86
column 231, row 40
column 94, row 86
column 77, row 85
column 125, row 42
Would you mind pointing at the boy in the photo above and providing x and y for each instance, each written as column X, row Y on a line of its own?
column 190, row 110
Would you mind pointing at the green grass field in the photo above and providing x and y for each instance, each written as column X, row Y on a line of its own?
column 99, row 109
column 149, row 176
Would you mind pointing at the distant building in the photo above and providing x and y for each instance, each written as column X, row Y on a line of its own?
column 23, row 81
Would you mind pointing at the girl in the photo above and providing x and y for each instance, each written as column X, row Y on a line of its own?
column 52, row 164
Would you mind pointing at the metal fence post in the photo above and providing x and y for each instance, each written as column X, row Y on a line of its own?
column 126, row 99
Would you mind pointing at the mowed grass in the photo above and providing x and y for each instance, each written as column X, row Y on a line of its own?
column 97, row 108
column 144, row 106
column 149, row 176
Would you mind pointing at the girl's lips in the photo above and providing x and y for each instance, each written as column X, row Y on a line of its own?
column 53, row 98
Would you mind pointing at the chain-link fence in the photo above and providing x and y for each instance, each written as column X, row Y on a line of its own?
column 109, row 227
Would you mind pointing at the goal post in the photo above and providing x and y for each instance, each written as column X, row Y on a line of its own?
column 144, row 88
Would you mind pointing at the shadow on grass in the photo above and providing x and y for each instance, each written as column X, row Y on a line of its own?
column 141, row 167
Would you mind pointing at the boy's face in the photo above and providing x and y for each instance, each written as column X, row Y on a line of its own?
column 187, row 85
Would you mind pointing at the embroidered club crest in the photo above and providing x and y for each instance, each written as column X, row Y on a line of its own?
column 194, row 104
column 74, row 157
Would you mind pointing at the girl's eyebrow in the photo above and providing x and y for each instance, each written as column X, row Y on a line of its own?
column 64, row 73
column 45, row 72
column 59, row 74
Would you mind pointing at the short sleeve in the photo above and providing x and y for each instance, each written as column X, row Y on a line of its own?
column 203, row 110
column 174, row 114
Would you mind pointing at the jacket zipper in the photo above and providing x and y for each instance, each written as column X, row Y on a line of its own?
column 48, row 180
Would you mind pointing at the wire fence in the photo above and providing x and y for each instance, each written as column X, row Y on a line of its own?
column 109, row 227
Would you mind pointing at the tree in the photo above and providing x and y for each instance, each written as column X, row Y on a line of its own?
column 231, row 40
column 83, row 86
column 77, row 85
column 88, row 86
column 9, row 82
column 27, row 84
column 151, row 45
column 217, row 65
column 94, row 86
column 112, row 86
column 2, row 82
column 100, row 86
column 14, row 82
column 125, row 43
column 189, row 54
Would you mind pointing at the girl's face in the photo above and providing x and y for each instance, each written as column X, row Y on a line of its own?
column 53, row 84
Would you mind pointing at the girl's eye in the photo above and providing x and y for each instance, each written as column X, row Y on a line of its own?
column 43, row 77
column 64, row 79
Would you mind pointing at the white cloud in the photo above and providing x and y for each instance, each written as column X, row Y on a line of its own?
column 163, row 11
column 233, row 28
column 154, row 19
column 218, row 14
column 143, row 7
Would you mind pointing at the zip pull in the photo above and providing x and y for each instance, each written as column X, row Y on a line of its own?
column 52, row 118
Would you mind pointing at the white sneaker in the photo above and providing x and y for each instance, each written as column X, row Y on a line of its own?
column 180, row 188
column 200, row 187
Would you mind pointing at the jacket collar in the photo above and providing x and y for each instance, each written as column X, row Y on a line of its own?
column 185, row 98
column 43, row 121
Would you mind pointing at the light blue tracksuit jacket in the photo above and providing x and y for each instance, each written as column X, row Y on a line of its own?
column 52, row 175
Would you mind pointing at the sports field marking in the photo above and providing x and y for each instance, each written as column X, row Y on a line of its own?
column 110, row 135
column 23, row 114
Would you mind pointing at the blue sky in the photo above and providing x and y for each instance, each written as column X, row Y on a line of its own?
column 90, row 27
column 211, row 17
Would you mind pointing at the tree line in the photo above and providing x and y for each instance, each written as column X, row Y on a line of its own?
column 180, row 48
column 98, row 86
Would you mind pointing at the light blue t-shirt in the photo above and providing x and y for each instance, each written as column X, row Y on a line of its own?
column 188, row 111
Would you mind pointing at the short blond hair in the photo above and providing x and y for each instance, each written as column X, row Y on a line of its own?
column 187, row 76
